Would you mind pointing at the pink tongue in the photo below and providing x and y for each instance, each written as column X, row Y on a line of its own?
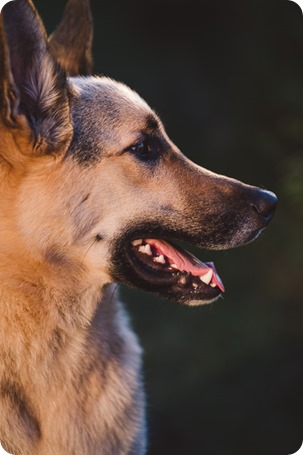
column 189, row 264
column 196, row 268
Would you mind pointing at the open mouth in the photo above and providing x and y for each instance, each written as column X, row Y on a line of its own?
column 167, row 267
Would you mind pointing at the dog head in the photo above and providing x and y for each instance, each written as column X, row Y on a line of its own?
column 91, row 181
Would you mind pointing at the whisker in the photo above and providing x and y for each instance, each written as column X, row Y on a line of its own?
column 87, row 251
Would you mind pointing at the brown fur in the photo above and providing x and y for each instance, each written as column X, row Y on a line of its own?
column 72, row 195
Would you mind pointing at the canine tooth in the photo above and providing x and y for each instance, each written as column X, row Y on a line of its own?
column 145, row 249
column 207, row 277
column 160, row 259
column 213, row 285
column 195, row 285
column 174, row 266
column 137, row 242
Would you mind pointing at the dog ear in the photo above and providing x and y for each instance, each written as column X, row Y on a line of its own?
column 71, row 43
column 34, row 92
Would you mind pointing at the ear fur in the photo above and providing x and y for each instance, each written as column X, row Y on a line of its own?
column 34, row 91
column 9, row 94
column 71, row 43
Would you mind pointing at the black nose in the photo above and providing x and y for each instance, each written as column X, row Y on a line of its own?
column 265, row 203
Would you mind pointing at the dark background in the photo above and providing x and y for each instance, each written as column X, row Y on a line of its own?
column 227, row 80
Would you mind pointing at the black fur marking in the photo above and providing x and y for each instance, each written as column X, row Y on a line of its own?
column 152, row 123
column 21, row 409
column 83, row 149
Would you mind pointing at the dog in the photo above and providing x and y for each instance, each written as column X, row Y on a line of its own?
column 92, row 193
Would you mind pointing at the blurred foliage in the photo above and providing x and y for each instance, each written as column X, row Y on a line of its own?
column 227, row 79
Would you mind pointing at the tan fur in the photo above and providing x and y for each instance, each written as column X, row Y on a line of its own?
column 71, row 189
column 51, row 282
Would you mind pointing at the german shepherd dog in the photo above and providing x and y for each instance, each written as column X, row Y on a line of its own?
column 92, row 192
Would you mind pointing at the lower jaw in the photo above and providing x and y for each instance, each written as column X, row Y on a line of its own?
column 173, row 286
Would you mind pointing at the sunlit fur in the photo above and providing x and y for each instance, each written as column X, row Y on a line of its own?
column 71, row 194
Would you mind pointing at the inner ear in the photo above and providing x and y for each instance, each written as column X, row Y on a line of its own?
column 40, row 85
column 71, row 43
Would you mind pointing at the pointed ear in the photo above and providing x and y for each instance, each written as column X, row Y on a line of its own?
column 34, row 91
column 71, row 43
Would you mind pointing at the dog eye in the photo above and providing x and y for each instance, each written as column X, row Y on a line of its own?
column 141, row 148
column 144, row 150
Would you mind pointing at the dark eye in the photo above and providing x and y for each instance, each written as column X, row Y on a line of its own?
column 140, row 149
column 144, row 150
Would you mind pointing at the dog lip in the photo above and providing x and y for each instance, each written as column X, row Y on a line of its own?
column 169, row 256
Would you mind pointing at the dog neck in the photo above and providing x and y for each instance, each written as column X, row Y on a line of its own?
column 40, row 304
column 67, row 295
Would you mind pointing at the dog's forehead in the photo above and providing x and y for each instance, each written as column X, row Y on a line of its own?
column 107, row 115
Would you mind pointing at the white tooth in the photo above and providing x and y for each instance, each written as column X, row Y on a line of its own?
column 213, row 285
column 148, row 250
column 174, row 266
column 145, row 249
column 160, row 259
column 182, row 280
column 207, row 277
column 195, row 285
column 137, row 242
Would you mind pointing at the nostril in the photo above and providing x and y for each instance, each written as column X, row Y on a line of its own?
column 265, row 203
